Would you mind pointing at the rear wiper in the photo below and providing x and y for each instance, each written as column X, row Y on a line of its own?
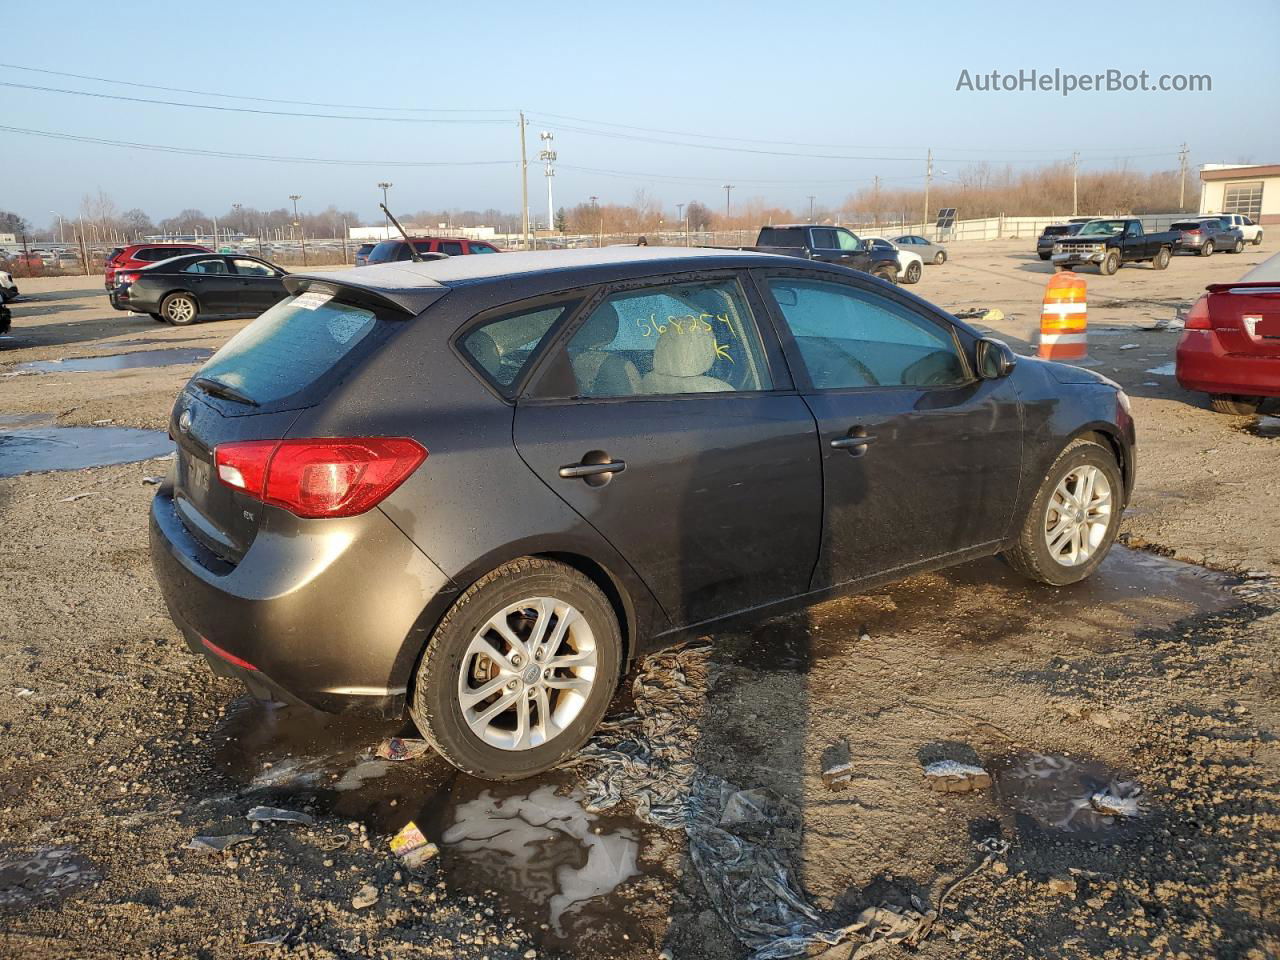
column 219, row 389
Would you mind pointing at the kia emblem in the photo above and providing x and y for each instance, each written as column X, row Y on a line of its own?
column 184, row 421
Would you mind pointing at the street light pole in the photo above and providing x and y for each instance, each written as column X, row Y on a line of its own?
column 62, row 236
column 727, row 188
column 295, row 197
column 386, row 222
column 811, row 198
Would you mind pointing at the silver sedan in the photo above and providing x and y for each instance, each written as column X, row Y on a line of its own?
column 929, row 252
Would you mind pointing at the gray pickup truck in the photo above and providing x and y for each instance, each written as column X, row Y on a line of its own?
column 830, row 245
column 1110, row 243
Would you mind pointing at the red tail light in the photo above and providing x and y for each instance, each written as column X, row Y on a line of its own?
column 1193, row 233
column 122, row 278
column 322, row 477
column 1198, row 318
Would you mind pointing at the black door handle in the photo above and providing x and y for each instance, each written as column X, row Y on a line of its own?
column 596, row 468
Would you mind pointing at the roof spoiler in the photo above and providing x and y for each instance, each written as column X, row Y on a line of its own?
column 410, row 302
column 1246, row 286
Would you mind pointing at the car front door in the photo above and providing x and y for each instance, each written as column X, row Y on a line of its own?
column 666, row 418
column 215, row 287
column 921, row 460
column 260, row 285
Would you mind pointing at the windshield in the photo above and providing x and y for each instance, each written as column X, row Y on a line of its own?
column 1102, row 228
column 289, row 347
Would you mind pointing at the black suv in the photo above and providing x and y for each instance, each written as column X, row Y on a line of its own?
column 478, row 488
column 1052, row 234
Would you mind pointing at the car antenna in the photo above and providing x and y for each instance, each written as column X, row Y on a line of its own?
column 413, row 251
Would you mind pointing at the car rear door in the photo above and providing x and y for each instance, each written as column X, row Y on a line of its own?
column 665, row 416
column 216, row 288
column 260, row 285
column 921, row 460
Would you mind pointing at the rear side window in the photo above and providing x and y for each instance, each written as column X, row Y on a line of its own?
column 775, row 237
column 824, row 240
column 501, row 347
column 290, row 346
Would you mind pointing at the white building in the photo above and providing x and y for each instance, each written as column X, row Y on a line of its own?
column 1249, row 189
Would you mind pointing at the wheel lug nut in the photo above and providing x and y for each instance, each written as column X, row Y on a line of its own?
column 512, row 685
column 515, row 661
column 537, row 655
column 546, row 674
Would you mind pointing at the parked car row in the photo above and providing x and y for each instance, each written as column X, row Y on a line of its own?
column 1124, row 240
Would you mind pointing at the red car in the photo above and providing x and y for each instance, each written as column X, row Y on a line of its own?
column 142, row 255
column 391, row 250
column 1230, row 346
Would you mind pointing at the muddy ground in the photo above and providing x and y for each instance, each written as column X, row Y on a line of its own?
column 1156, row 682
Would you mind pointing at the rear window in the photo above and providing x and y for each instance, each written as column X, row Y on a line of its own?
column 290, row 346
column 1186, row 225
column 776, row 237
column 1056, row 231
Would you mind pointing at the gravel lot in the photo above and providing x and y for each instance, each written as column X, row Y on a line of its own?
column 1161, row 674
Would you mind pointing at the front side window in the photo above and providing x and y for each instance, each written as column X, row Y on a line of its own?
column 216, row 267
column 482, row 248
column 680, row 338
column 847, row 240
column 853, row 338
column 252, row 268
column 450, row 247
column 501, row 347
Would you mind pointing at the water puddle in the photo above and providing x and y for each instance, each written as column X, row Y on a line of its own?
column 548, row 859
column 1265, row 427
column 1164, row 370
column 118, row 361
column 1059, row 794
column 75, row 448
column 42, row 878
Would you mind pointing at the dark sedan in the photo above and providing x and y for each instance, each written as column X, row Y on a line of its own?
column 181, row 290
column 478, row 488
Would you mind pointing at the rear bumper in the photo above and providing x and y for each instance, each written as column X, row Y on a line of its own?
column 1202, row 365
column 322, row 612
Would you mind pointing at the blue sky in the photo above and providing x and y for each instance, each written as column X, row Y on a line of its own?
column 876, row 80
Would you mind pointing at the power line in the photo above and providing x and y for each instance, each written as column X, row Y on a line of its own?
column 236, row 96
column 680, row 178
column 221, row 109
column 271, row 158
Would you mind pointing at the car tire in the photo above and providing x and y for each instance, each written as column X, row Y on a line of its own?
column 912, row 274
column 1110, row 264
column 1239, row 247
column 940, row 258
column 158, row 318
column 1044, row 256
column 887, row 273
column 491, row 747
column 1257, row 239
column 1031, row 554
column 1234, row 404
column 179, row 309
column 1161, row 260
column 1207, row 249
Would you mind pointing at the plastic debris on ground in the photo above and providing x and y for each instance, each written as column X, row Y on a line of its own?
column 365, row 897
column 153, row 481
column 401, row 748
column 646, row 763
column 412, row 848
column 217, row 844
column 1108, row 804
column 76, row 496
column 950, row 776
column 1130, row 346
column 259, row 814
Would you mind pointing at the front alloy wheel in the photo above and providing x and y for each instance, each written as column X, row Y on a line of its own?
column 1079, row 513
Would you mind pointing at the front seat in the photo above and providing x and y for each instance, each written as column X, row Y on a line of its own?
column 599, row 372
column 681, row 359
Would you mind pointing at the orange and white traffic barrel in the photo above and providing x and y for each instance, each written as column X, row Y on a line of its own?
column 1064, row 319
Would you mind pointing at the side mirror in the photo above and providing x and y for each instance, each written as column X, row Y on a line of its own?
column 995, row 359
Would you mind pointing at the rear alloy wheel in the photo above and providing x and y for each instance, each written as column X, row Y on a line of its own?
column 520, row 671
column 941, row 257
column 1239, row 247
column 1207, row 249
column 913, row 273
column 179, row 309
column 1073, row 519
column 1234, row 404
column 1161, row 259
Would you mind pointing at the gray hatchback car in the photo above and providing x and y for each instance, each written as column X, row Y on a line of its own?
column 476, row 489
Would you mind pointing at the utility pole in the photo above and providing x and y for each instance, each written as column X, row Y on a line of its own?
column 680, row 211
column 599, row 220
column 384, row 186
column 524, row 186
column 1182, row 178
column 1075, row 183
column 811, row 208
column 928, row 176
column 62, row 237
column 727, row 188
column 548, row 157
column 875, row 198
